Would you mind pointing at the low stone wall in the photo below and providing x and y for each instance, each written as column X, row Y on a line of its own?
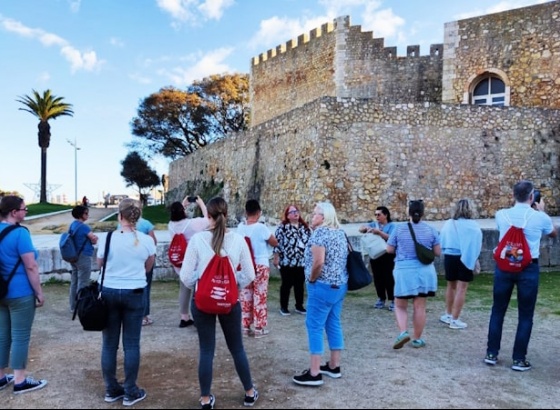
column 52, row 267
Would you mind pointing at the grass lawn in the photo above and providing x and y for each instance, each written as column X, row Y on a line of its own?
column 38, row 209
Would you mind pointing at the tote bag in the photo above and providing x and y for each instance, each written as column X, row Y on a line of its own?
column 358, row 274
column 374, row 245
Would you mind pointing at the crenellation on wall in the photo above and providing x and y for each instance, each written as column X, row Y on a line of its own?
column 413, row 51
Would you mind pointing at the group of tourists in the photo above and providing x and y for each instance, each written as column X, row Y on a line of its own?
column 311, row 258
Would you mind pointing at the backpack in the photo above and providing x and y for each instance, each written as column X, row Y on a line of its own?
column 216, row 291
column 68, row 250
column 177, row 248
column 5, row 283
column 513, row 253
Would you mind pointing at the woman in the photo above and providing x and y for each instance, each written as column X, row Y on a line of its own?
column 180, row 223
column 202, row 247
column 413, row 279
column 461, row 242
column 292, row 236
column 325, row 271
column 17, row 308
column 131, row 256
column 84, row 239
column 253, row 298
column 382, row 267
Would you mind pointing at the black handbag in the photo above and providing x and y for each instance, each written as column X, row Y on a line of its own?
column 358, row 274
column 424, row 255
column 91, row 309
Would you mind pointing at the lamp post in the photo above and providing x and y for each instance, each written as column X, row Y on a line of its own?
column 75, row 169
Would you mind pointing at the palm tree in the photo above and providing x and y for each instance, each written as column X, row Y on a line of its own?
column 45, row 108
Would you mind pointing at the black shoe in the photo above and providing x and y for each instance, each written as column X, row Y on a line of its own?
column 210, row 404
column 285, row 312
column 186, row 323
column 139, row 396
column 306, row 379
column 334, row 373
column 250, row 400
column 29, row 384
column 111, row 397
column 301, row 310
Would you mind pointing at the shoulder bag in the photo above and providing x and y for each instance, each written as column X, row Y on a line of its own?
column 374, row 245
column 91, row 309
column 425, row 255
column 358, row 274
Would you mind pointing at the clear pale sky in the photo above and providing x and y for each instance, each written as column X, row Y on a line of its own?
column 105, row 56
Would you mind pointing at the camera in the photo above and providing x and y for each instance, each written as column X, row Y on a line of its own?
column 536, row 197
column 191, row 199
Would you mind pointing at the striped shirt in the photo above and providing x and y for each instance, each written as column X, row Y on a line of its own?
column 404, row 244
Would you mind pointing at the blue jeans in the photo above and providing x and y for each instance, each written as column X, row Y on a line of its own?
column 527, row 283
column 16, row 319
column 80, row 277
column 148, row 291
column 231, row 327
column 324, row 307
column 126, row 310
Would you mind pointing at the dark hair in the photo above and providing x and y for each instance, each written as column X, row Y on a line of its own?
column 522, row 190
column 10, row 203
column 79, row 210
column 217, row 209
column 285, row 219
column 416, row 210
column 252, row 206
column 385, row 211
column 177, row 211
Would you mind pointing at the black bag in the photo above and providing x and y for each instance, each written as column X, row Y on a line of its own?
column 358, row 274
column 424, row 255
column 91, row 309
column 5, row 283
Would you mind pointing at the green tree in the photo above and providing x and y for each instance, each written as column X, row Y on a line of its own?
column 136, row 171
column 46, row 107
column 174, row 123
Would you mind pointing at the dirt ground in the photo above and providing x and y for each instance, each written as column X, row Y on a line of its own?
column 448, row 373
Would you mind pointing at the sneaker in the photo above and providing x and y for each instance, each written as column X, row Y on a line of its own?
column 401, row 340
column 521, row 365
column 334, row 373
column 285, row 312
column 491, row 359
column 391, row 306
column 380, row 304
column 258, row 333
column 29, row 384
column 417, row 343
column 210, row 404
column 306, row 379
column 301, row 311
column 6, row 380
column 130, row 400
column 111, row 397
column 457, row 324
column 447, row 318
column 186, row 323
column 250, row 400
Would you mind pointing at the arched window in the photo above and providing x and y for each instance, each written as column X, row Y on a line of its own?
column 490, row 90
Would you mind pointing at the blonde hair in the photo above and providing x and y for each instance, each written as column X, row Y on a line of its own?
column 130, row 210
column 329, row 215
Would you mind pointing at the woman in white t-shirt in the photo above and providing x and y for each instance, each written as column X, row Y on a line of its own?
column 181, row 223
column 253, row 298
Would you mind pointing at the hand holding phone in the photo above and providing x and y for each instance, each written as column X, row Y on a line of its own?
column 192, row 199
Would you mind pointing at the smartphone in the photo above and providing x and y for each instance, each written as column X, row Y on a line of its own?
column 191, row 198
column 536, row 196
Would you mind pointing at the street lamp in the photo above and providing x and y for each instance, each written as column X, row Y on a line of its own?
column 75, row 169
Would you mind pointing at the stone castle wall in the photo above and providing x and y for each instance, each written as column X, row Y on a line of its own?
column 360, row 154
column 522, row 46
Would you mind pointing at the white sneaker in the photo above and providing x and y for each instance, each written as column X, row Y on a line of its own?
column 447, row 318
column 457, row 324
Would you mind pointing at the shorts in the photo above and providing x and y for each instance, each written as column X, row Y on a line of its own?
column 456, row 270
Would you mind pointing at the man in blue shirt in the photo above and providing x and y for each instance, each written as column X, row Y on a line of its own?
column 535, row 223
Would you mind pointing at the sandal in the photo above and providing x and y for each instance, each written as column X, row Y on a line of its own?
column 401, row 340
column 418, row 343
column 147, row 321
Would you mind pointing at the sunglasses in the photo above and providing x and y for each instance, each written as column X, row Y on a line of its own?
column 21, row 209
column 378, row 214
column 293, row 212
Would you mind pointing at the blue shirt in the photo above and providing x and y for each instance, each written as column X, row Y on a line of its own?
column 404, row 244
column 16, row 243
column 80, row 231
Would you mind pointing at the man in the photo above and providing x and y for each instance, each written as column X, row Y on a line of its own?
column 535, row 223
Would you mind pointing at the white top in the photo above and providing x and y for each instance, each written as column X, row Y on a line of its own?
column 259, row 235
column 128, row 253
column 188, row 227
column 200, row 252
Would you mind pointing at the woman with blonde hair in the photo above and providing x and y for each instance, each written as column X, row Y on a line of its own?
column 327, row 277
column 461, row 243
column 218, row 239
column 130, row 256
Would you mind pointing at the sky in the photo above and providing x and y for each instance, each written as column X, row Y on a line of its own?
column 105, row 56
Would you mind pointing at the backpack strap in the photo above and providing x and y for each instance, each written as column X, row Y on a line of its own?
column 3, row 234
column 525, row 219
column 185, row 228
